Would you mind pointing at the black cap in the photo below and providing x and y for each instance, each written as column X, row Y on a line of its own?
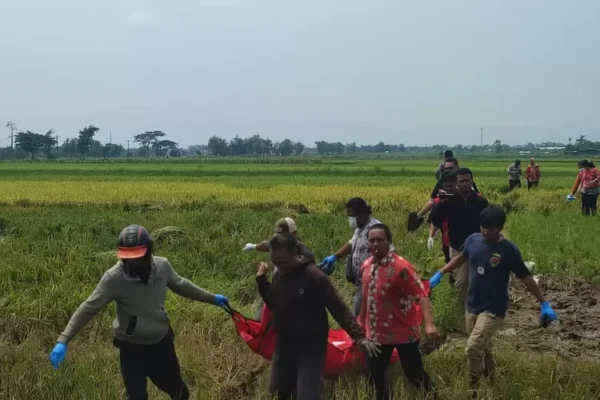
column 133, row 242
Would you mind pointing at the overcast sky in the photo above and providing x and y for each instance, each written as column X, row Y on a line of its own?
column 413, row 72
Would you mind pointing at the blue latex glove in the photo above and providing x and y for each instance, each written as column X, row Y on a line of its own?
column 329, row 264
column 547, row 313
column 570, row 197
column 436, row 279
column 58, row 354
column 221, row 300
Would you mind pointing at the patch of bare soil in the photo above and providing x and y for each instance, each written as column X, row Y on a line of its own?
column 575, row 334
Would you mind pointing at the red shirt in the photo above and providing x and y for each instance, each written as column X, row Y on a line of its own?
column 532, row 173
column 589, row 179
column 391, row 290
column 445, row 238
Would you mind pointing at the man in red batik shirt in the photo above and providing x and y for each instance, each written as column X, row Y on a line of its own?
column 391, row 291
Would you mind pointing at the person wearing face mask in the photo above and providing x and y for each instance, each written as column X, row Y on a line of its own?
column 138, row 283
column 392, row 289
column 300, row 296
column 357, row 249
column 462, row 218
column 491, row 259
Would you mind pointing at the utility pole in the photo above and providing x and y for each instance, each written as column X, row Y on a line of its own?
column 57, row 146
column 128, row 148
column 481, row 138
column 12, row 126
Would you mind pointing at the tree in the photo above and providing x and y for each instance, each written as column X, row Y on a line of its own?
column 351, row 147
column 498, row 145
column 112, row 150
column 217, row 146
column 70, row 148
column 150, row 139
column 96, row 149
column 285, row 148
column 298, row 147
column 237, row 146
column 49, row 143
column 12, row 127
column 382, row 147
column 164, row 147
column 30, row 142
column 86, row 139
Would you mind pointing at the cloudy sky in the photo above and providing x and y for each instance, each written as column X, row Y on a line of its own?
column 412, row 72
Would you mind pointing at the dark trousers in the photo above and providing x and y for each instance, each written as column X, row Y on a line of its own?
column 532, row 184
column 157, row 362
column 296, row 370
column 514, row 184
column 589, row 203
column 410, row 358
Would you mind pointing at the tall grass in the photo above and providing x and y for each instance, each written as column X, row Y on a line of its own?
column 58, row 236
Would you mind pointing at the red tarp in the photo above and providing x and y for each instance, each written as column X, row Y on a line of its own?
column 341, row 354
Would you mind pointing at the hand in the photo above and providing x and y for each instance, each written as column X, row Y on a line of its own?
column 327, row 268
column 249, row 247
column 431, row 331
column 370, row 347
column 330, row 259
column 221, row 300
column 570, row 197
column 430, row 243
column 436, row 279
column 263, row 268
column 58, row 354
column 547, row 314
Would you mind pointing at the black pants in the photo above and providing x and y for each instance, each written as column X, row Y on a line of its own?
column 531, row 184
column 514, row 184
column 157, row 362
column 296, row 370
column 589, row 203
column 410, row 358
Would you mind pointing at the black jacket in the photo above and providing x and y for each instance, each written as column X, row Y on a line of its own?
column 462, row 216
column 300, row 300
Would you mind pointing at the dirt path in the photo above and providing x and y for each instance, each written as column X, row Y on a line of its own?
column 575, row 334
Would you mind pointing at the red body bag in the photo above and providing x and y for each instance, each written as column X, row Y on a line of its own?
column 342, row 354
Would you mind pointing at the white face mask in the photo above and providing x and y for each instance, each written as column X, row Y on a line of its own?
column 353, row 223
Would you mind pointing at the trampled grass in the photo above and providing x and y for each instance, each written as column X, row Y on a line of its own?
column 58, row 225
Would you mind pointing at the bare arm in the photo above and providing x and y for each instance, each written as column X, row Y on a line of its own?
column 426, row 208
column 533, row 288
column 263, row 246
column 432, row 230
column 426, row 309
column 454, row 264
column 344, row 251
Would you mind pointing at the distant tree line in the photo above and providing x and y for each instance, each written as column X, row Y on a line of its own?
column 28, row 144
column 253, row 145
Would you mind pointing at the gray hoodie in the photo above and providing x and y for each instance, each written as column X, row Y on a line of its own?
column 141, row 317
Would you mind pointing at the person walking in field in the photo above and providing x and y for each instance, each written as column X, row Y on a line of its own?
column 462, row 216
column 532, row 174
column 440, row 169
column 391, row 291
column 283, row 226
column 300, row 296
column 451, row 165
column 138, row 284
column 446, row 193
column 514, row 175
column 357, row 249
column 588, row 182
column 491, row 259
